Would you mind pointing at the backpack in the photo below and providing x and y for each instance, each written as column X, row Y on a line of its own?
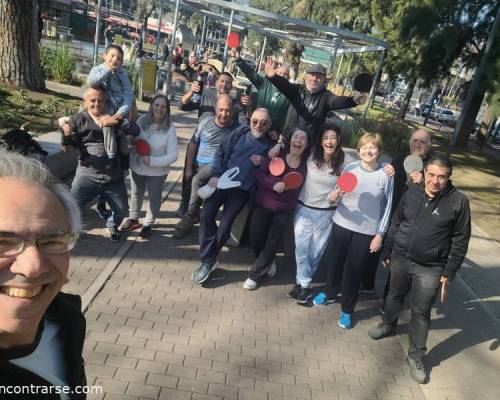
column 22, row 142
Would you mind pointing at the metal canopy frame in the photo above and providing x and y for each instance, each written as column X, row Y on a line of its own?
column 313, row 35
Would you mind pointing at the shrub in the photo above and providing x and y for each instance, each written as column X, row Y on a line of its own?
column 58, row 63
column 133, row 75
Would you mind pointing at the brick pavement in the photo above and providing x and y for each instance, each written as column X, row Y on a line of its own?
column 152, row 334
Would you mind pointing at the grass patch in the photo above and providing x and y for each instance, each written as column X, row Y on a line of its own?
column 39, row 110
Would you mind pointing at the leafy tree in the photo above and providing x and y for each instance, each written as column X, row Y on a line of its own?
column 143, row 10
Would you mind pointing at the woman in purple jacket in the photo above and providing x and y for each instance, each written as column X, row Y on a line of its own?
column 274, row 207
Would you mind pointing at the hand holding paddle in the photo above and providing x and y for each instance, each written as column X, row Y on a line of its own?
column 347, row 182
column 293, row 180
column 279, row 187
column 142, row 147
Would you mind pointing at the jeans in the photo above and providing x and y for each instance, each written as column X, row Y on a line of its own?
column 312, row 230
column 199, row 179
column 211, row 236
column 422, row 283
column 154, row 186
column 267, row 230
column 115, row 194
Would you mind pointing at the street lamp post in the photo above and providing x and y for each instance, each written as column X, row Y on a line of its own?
column 96, row 39
column 166, row 85
column 229, row 28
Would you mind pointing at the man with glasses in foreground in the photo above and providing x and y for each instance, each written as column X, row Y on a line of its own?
column 41, row 329
column 244, row 148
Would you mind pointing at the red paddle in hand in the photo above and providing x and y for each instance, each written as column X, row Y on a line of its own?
column 142, row 147
column 293, row 180
column 347, row 182
column 233, row 40
column 277, row 166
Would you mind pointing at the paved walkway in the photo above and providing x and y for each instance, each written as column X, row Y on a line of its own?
column 152, row 334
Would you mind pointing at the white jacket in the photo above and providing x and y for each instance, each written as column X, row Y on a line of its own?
column 164, row 151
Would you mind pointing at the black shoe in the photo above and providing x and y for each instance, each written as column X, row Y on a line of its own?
column 114, row 235
column 294, row 292
column 381, row 331
column 417, row 370
column 145, row 231
column 304, row 295
column 101, row 210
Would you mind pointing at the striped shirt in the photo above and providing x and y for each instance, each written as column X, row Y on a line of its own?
column 367, row 209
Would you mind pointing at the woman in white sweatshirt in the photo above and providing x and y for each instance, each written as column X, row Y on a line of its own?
column 150, row 171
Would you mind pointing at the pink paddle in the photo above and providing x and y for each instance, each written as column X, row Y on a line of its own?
column 233, row 40
column 293, row 180
column 277, row 166
column 142, row 147
column 347, row 182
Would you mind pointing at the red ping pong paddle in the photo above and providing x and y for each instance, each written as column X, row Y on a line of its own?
column 347, row 182
column 277, row 166
column 293, row 180
column 142, row 147
column 233, row 40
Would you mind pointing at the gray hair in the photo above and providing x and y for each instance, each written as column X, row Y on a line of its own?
column 14, row 165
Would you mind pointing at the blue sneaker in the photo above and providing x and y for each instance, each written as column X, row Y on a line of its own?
column 320, row 299
column 202, row 273
column 345, row 320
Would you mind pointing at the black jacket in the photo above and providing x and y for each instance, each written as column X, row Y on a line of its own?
column 65, row 309
column 431, row 232
column 308, row 110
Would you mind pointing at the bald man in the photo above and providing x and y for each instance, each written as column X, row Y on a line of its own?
column 208, row 136
column 94, row 176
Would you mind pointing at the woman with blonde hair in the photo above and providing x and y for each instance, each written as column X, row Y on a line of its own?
column 359, row 225
column 148, row 172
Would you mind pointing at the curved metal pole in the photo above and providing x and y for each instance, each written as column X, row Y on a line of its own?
column 224, row 58
column 166, row 85
column 348, row 74
column 375, row 83
column 262, row 54
column 97, row 25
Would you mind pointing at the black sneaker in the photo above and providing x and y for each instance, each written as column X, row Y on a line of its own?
column 292, row 294
column 417, row 370
column 381, row 331
column 114, row 234
column 101, row 210
column 145, row 231
column 304, row 295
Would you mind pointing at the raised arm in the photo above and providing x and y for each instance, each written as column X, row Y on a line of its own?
column 98, row 75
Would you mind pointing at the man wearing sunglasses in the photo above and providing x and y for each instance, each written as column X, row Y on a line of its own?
column 41, row 329
column 244, row 148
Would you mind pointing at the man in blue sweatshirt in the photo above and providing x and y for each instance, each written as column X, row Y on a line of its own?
column 245, row 148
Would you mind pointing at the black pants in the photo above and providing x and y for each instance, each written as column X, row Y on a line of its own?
column 267, row 230
column 211, row 237
column 368, row 282
column 422, row 283
column 350, row 252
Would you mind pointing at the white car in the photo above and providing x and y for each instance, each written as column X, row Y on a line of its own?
column 446, row 117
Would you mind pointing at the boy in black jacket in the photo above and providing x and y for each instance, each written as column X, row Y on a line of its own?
column 425, row 246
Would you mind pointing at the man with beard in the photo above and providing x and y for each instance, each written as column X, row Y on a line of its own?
column 245, row 149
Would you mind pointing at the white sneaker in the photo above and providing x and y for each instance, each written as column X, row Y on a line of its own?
column 272, row 270
column 250, row 284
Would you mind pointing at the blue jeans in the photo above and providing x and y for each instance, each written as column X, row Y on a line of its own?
column 422, row 283
column 115, row 194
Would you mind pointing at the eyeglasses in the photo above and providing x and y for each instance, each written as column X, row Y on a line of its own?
column 54, row 243
column 262, row 122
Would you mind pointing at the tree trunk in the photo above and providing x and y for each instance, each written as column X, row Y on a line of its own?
column 406, row 101
column 19, row 53
column 470, row 117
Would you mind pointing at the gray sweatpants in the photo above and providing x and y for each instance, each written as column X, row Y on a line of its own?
column 154, row 186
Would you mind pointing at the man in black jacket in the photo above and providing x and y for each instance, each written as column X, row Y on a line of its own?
column 425, row 246
column 94, row 174
column 41, row 329
column 309, row 103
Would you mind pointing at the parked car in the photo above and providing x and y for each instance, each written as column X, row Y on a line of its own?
column 446, row 117
column 422, row 109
